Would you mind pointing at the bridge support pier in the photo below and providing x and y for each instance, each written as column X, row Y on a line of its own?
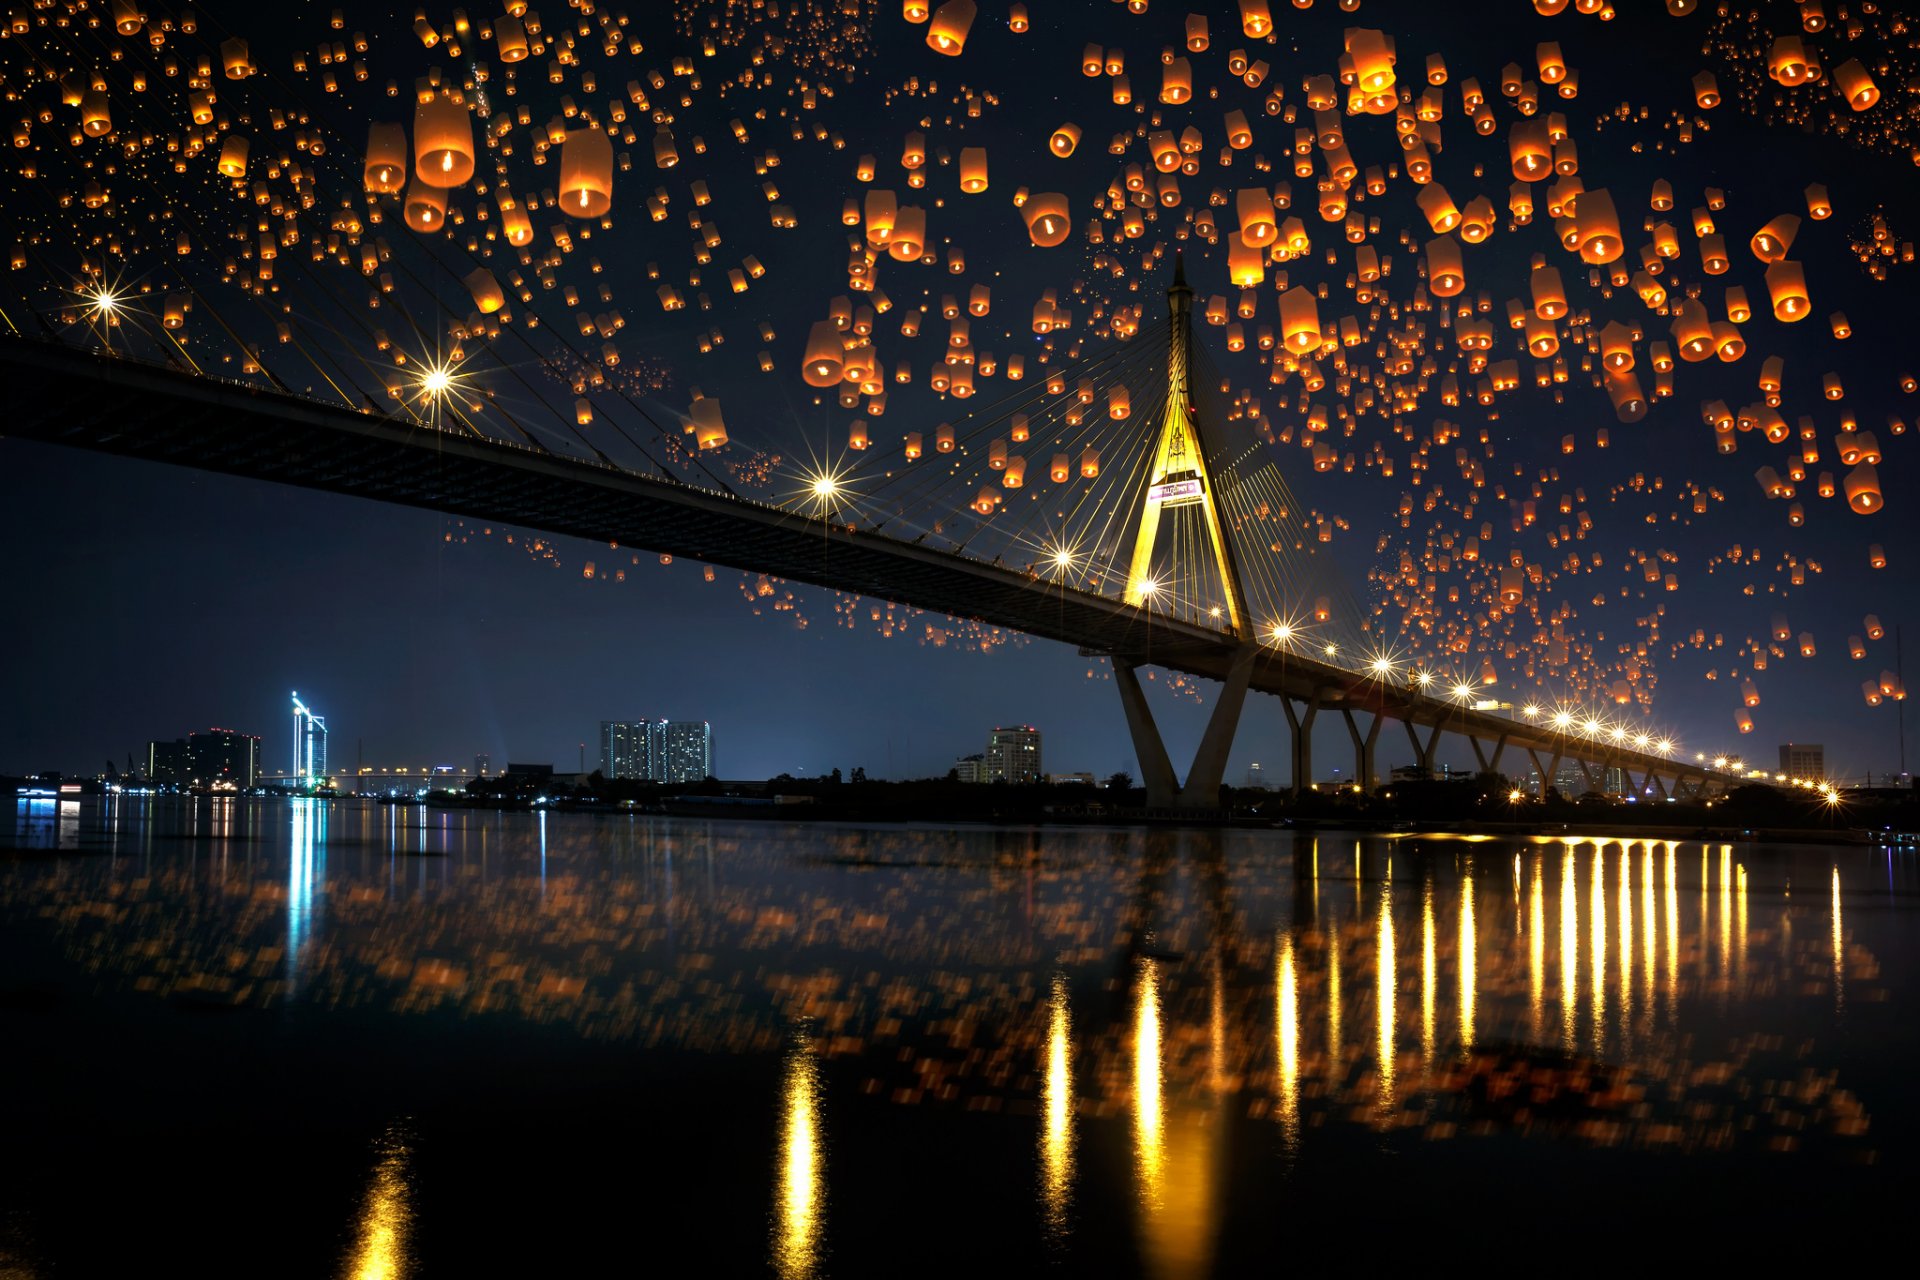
column 1423, row 752
column 1156, row 771
column 1300, row 725
column 1547, row 773
column 1202, row 788
column 1363, row 749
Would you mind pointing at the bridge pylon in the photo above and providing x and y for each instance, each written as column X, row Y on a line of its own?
column 1179, row 475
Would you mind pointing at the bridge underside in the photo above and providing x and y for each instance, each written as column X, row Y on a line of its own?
column 59, row 395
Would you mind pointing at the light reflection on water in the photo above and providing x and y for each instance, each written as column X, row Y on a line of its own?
column 1056, row 1133
column 1135, row 998
column 381, row 1242
column 800, row 1207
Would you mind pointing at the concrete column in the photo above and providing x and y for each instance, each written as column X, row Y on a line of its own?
column 1301, row 725
column 1202, row 789
column 1499, row 749
column 1363, row 748
column 1148, row 749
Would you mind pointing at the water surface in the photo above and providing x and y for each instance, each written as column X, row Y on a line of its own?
column 299, row 1038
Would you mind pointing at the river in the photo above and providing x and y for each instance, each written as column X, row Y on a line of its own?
column 300, row 1038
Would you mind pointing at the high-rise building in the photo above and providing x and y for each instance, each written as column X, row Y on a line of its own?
column 686, row 750
column 1803, row 759
column 309, row 744
column 633, row 749
column 482, row 765
column 971, row 768
column 167, row 763
column 1013, row 755
column 223, row 758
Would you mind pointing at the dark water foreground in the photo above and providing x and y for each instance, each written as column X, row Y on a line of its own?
column 265, row 1038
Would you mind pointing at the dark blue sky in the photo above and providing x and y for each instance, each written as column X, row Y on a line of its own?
column 148, row 601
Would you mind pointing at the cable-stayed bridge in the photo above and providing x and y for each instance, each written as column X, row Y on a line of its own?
column 1171, row 546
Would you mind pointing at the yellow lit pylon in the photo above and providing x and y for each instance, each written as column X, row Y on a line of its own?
column 1179, row 475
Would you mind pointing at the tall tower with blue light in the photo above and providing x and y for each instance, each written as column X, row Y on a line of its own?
column 309, row 744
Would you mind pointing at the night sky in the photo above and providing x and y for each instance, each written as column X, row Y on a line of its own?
column 149, row 601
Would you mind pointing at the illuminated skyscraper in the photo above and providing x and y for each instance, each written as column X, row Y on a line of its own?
column 309, row 743
column 1013, row 755
column 688, row 751
column 633, row 749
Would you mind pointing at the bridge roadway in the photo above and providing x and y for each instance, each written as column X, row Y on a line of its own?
column 58, row 394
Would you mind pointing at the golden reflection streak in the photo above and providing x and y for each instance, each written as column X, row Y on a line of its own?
column 1569, row 947
column 1286, row 1024
column 1597, row 969
column 1673, row 934
column 799, row 1211
column 1537, row 952
column 1726, row 911
column 1706, row 917
column 1649, row 946
column 1313, row 867
column 1384, row 994
column 1428, row 966
column 380, row 1244
column 1149, row 1120
column 1626, row 948
column 1056, row 1109
column 1334, row 1052
column 1839, row 950
column 1469, row 960
column 1740, row 922
column 1217, row 1029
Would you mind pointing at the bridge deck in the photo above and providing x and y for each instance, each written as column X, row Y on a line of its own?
column 60, row 395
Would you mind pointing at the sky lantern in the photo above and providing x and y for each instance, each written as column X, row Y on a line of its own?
column 973, row 170
column 1299, row 320
column 1441, row 214
column 1862, row 487
column 586, row 174
column 1061, row 469
column 234, row 59
column 1599, row 227
column 426, row 207
column 915, row 11
column 1176, row 81
column 709, row 427
column 1017, row 19
column 1046, row 215
column 1090, row 462
column 826, row 355
column 442, row 143
column 1771, row 242
column 1787, row 290
column 947, row 33
column 233, row 156
column 1787, row 61
column 1445, row 275
column 909, row 237
column 1197, row 38
column 1255, row 19
column 1255, row 208
column 1530, row 150
column 96, row 120
column 486, row 292
column 1818, row 206
column 1064, row 140
column 1855, row 85
column 881, row 210
column 518, row 226
column 385, row 170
